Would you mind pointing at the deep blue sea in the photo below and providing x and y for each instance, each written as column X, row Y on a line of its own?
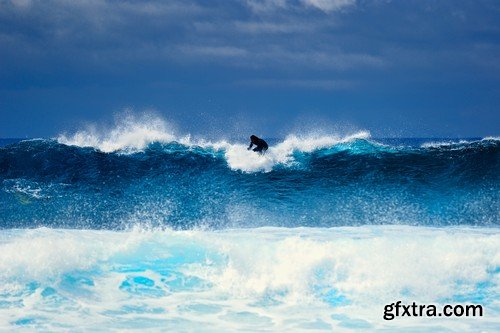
column 143, row 230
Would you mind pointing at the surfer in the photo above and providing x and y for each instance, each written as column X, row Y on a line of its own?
column 261, row 145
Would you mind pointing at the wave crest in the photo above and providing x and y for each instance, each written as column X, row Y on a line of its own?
column 130, row 134
column 460, row 144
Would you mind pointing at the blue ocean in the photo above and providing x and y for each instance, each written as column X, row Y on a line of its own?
column 143, row 229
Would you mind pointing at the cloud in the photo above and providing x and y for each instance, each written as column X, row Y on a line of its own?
column 328, row 59
column 22, row 3
column 98, row 37
column 329, row 5
column 260, row 27
column 299, row 83
column 266, row 5
column 324, row 5
column 278, row 57
column 213, row 51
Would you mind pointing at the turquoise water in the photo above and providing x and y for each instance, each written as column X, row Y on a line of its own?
column 259, row 279
column 146, row 231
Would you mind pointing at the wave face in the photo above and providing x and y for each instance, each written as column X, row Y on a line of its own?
column 159, row 180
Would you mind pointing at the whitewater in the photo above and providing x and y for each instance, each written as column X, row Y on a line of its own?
column 138, row 227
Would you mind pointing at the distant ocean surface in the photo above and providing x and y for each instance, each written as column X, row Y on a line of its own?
column 143, row 230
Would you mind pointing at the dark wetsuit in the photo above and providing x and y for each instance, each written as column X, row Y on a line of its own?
column 261, row 145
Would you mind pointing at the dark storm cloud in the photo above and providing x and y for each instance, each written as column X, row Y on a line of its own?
column 197, row 48
column 103, row 36
column 317, row 35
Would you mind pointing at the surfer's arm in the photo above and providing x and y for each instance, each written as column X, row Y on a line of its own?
column 249, row 147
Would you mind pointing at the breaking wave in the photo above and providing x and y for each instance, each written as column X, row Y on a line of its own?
column 142, row 172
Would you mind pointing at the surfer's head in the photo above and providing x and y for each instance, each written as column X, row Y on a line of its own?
column 253, row 138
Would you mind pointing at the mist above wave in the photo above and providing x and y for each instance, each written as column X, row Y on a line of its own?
column 131, row 133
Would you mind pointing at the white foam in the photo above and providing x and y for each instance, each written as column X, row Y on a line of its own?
column 130, row 133
column 21, row 186
column 238, row 158
column 438, row 144
column 43, row 253
column 253, row 279
column 491, row 138
column 425, row 262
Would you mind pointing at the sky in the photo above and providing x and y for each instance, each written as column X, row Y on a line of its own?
column 413, row 68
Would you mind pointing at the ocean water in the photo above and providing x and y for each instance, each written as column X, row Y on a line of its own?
column 141, row 229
